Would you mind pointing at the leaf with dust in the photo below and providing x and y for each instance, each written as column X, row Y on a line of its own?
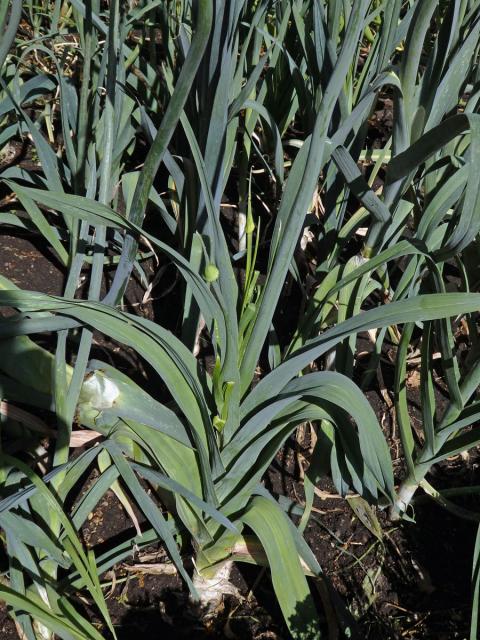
column 366, row 514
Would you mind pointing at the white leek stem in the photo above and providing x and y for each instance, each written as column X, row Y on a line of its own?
column 99, row 391
column 212, row 587
column 404, row 497
column 242, row 236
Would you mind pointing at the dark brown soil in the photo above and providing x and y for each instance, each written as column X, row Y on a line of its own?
column 7, row 626
column 421, row 572
column 24, row 262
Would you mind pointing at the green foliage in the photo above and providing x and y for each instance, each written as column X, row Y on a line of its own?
column 271, row 102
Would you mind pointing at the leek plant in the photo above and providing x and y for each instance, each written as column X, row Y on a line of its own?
column 431, row 196
column 243, row 96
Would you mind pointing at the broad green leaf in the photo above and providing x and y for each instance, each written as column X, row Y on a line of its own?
column 418, row 308
column 269, row 523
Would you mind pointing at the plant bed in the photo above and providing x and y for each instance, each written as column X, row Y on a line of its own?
column 239, row 297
